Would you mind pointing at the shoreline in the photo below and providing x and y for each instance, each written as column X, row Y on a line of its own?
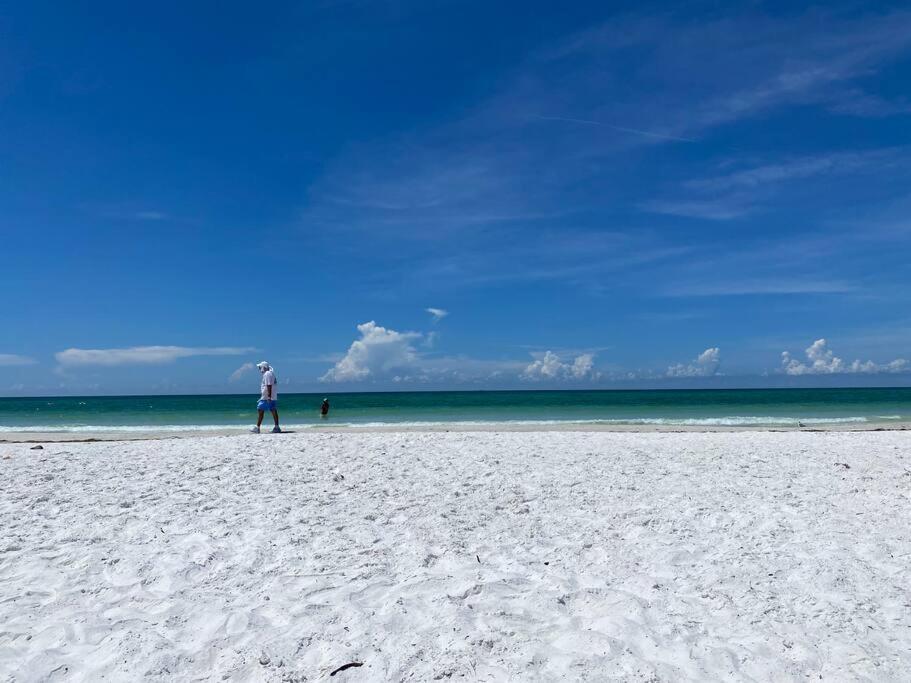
column 102, row 435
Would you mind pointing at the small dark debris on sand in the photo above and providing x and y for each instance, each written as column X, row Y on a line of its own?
column 844, row 464
column 349, row 665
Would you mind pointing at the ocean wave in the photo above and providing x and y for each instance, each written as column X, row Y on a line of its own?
column 726, row 421
column 729, row 421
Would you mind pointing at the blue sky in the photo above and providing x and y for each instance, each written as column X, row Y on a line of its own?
column 587, row 195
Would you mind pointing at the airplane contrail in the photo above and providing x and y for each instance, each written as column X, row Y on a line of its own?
column 622, row 129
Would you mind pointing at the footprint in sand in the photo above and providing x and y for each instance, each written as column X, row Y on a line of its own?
column 237, row 623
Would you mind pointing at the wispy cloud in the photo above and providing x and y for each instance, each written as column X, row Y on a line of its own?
column 826, row 53
column 856, row 102
column 877, row 160
column 671, row 317
column 129, row 212
column 150, row 215
column 12, row 360
column 738, row 192
column 501, row 192
column 241, row 371
column 581, row 258
column 620, row 129
column 771, row 286
column 709, row 209
column 437, row 313
column 709, row 73
column 142, row 355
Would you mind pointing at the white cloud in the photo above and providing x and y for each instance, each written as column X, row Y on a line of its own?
column 378, row 352
column 385, row 355
column 705, row 365
column 241, row 371
column 804, row 167
column 822, row 361
column 550, row 367
column 437, row 313
column 142, row 355
column 12, row 359
column 468, row 184
column 583, row 366
column 546, row 367
column 620, row 129
column 745, row 187
column 710, row 209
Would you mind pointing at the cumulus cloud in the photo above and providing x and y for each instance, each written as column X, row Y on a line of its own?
column 241, row 371
column 583, row 366
column 548, row 366
column 551, row 367
column 437, row 313
column 142, row 355
column 822, row 361
column 12, row 359
column 378, row 352
column 705, row 365
column 382, row 354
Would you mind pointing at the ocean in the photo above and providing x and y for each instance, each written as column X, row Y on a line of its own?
column 760, row 407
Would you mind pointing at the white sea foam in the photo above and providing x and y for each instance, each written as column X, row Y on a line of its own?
column 732, row 421
column 726, row 421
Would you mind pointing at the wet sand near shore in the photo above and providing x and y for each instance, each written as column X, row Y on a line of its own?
column 506, row 427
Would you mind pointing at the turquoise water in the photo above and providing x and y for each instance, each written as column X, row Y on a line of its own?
column 725, row 407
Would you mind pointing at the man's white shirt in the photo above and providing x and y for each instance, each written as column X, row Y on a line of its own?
column 269, row 380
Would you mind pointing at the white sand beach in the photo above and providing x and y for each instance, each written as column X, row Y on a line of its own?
column 477, row 555
column 174, row 432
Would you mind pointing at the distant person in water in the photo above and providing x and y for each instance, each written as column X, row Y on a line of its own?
column 268, row 397
column 324, row 408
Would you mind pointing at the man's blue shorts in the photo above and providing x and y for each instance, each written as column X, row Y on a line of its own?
column 265, row 404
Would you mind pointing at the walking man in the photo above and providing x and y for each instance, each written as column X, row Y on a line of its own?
column 268, row 399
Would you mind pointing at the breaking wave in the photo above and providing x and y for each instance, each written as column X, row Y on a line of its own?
column 726, row 421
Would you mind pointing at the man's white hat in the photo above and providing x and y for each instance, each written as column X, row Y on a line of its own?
column 263, row 364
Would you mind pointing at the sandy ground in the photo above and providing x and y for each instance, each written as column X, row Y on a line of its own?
column 469, row 555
